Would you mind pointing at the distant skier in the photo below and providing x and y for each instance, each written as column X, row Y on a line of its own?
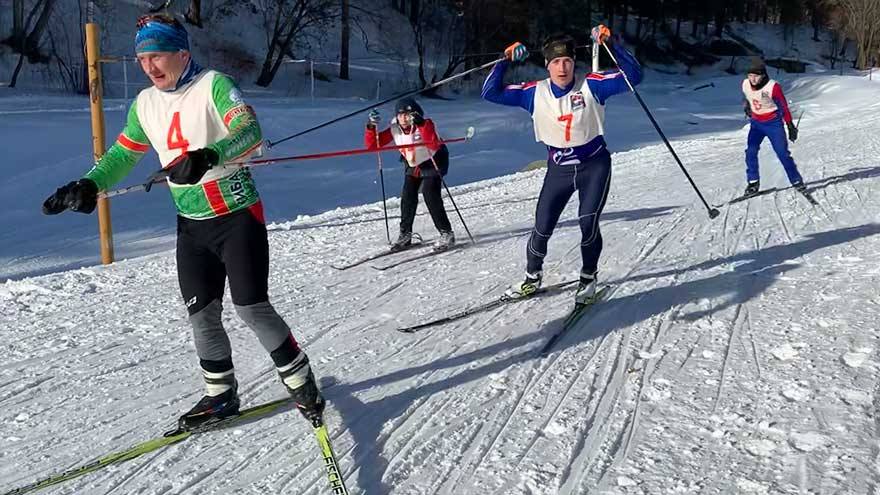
column 198, row 123
column 408, row 127
column 569, row 118
column 767, row 109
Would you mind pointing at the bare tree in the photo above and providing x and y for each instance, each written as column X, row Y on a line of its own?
column 817, row 16
column 66, row 39
column 438, row 34
column 193, row 11
column 862, row 22
column 32, row 42
column 30, row 46
column 285, row 21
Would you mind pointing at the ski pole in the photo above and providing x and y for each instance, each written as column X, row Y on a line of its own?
column 314, row 156
column 382, row 181
column 713, row 212
column 395, row 97
column 452, row 200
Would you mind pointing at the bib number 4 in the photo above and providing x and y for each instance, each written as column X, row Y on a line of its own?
column 175, row 136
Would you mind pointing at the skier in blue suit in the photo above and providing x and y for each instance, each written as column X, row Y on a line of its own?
column 568, row 118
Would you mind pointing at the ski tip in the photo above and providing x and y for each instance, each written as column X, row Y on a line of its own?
column 470, row 132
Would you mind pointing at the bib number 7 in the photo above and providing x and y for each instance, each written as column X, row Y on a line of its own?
column 567, row 118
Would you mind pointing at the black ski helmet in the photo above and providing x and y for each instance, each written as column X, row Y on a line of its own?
column 757, row 67
column 557, row 45
column 760, row 68
column 408, row 105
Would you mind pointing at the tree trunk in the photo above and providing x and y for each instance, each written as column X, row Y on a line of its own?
column 720, row 20
column 346, row 35
column 815, row 17
column 656, row 15
column 639, row 26
column 194, row 14
column 589, row 13
column 32, row 42
column 610, row 11
column 17, row 22
column 413, row 11
column 265, row 77
column 15, row 72
column 625, row 8
column 678, row 19
column 833, row 51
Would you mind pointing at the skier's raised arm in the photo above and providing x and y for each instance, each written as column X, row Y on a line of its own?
column 606, row 84
column 515, row 95
column 373, row 137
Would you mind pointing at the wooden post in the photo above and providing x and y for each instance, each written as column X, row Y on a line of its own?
column 96, row 102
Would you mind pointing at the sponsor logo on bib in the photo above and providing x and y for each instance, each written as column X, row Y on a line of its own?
column 577, row 100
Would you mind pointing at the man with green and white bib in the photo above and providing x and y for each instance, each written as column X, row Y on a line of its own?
column 200, row 126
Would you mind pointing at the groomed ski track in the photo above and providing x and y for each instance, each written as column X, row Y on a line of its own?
column 734, row 356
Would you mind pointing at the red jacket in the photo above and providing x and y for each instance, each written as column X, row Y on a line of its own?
column 429, row 136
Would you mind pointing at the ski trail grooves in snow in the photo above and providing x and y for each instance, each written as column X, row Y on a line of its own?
column 734, row 356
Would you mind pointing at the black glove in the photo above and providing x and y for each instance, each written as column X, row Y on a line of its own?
column 792, row 132
column 417, row 119
column 747, row 109
column 80, row 195
column 188, row 168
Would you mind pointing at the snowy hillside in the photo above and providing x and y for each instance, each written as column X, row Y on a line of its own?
column 733, row 356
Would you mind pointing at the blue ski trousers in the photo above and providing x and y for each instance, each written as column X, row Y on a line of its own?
column 592, row 180
column 775, row 131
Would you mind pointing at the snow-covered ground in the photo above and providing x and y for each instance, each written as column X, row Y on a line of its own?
column 735, row 355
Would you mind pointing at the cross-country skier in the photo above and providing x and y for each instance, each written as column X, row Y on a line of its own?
column 568, row 118
column 198, row 123
column 767, row 109
column 408, row 127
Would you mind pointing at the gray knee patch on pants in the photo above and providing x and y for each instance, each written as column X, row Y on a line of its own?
column 211, row 341
column 270, row 328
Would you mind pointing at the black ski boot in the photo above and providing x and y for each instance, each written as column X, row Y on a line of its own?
column 752, row 189
column 211, row 409
column 300, row 383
